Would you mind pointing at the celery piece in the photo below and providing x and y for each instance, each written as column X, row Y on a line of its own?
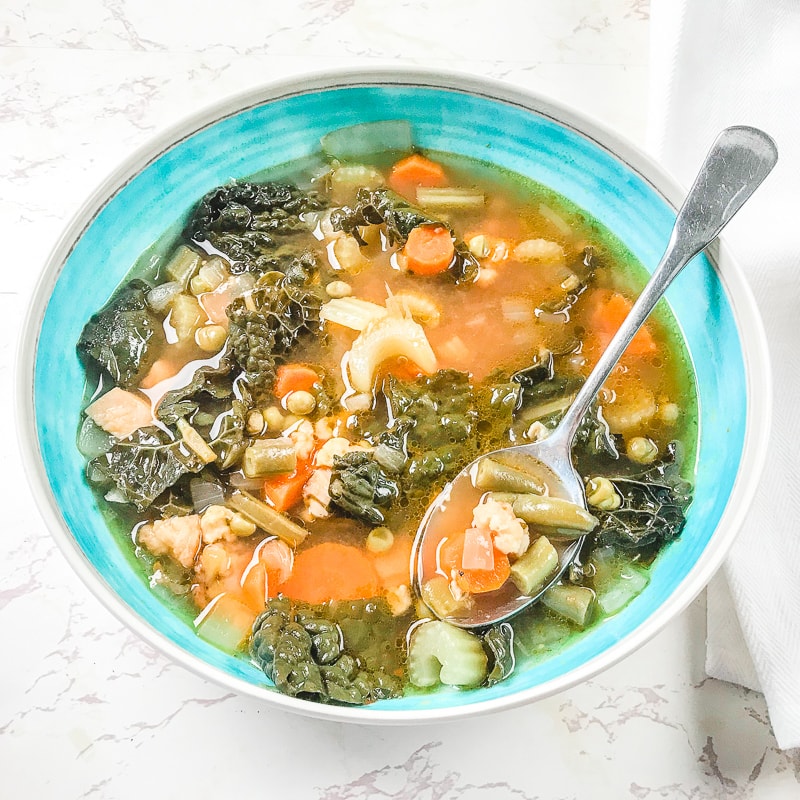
column 267, row 518
column 437, row 596
column 368, row 138
column 531, row 572
column 439, row 652
column 450, row 198
column 183, row 265
column 575, row 603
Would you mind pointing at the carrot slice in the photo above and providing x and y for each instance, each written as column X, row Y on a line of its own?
column 331, row 571
column 429, row 250
column 394, row 566
column 475, row 581
column 415, row 171
column 606, row 315
column 287, row 490
column 294, row 378
column 254, row 587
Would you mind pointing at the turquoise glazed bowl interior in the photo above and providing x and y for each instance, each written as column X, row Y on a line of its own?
column 155, row 189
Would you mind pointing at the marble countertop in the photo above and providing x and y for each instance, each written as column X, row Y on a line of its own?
column 88, row 710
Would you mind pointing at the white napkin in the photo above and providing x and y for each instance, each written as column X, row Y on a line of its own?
column 718, row 63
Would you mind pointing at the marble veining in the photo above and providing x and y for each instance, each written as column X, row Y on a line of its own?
column 87, row 710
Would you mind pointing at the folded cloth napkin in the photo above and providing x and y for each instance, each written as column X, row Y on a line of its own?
column 717, row 63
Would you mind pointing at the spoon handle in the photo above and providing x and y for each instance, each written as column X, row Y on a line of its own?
column 739, row 160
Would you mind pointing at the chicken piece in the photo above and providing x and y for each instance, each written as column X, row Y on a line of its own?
column 315, row 493
column 177, row 537
column 120, row 413
column 509, row 533
column 219, row 522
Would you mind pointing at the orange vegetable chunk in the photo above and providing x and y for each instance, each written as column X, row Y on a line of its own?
column 410, row 173
column 429, row 250
column 294, row 378
column 475, row 581
column 332, row 571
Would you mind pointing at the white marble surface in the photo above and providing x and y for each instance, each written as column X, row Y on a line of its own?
column 87, row 710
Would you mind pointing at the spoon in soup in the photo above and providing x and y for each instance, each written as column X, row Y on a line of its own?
column 739, row 160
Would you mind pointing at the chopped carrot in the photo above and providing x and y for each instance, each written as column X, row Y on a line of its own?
column 415, row 171
column 607, row 313
column 478, row 550
column 254, row 587
column 332, row 571
column 429, row 249
column 394, row 565
column 294, row 378
column 474, row 581
column 287, row 490
column 403, row 368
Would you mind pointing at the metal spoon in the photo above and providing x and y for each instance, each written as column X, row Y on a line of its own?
column 739, row 160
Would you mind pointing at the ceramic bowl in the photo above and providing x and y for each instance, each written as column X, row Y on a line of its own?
column 555, row 145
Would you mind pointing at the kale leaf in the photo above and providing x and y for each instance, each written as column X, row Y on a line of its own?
column 652, row 510
column 144, row 465
column 124, row 337
column 385, row 207
column 442, row 423
column 214, row 382
column 335, row 652
column 249, row 223
column 361, row 488
column 282, row 309
column 498, row 641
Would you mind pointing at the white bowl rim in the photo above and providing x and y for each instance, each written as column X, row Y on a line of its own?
column 754, row 350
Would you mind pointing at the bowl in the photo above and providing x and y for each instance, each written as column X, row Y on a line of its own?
column 539, row 138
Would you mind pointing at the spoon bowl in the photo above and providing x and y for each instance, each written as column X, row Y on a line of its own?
column 738, row 161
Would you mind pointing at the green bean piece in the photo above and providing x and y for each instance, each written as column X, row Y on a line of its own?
column 576, row 603
column 269, row 457
column 492, row 476
column 567, row 519
column 532, row 571
column 267, row 518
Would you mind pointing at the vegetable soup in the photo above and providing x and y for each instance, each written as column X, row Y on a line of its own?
column 274, row 400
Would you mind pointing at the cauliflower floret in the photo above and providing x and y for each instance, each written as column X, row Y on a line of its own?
column 303, row 439
column 220, row 567
column 399, row 599
column 323, row 428
column 219, row 522
column 510, row 534
column 315, row 493
column 177, row 537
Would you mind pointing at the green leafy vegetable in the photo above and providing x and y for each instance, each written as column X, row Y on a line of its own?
column 249, row 222
column 286, row 308
column 336, row 652
column 144, row 465
column 499, row 641
column 435, row 422
column 215, row 382
column 361, row 488
column 124, row 337
column 385, row 207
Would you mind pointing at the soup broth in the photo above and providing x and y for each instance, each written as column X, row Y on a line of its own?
column 277, row 392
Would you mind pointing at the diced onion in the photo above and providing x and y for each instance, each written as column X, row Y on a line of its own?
column 205, row 494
